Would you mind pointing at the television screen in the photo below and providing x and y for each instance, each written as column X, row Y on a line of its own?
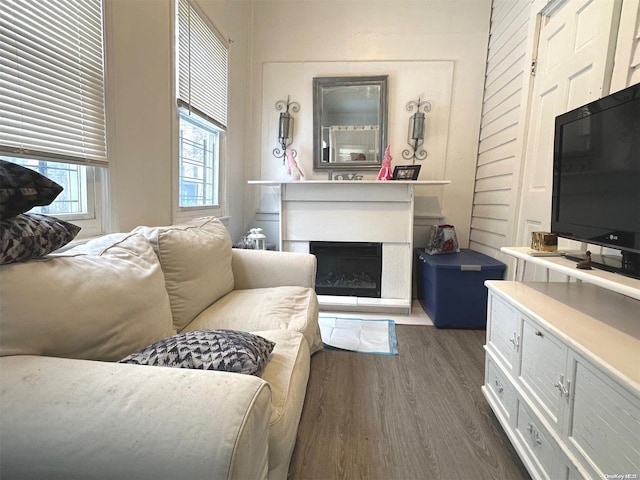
column 596, row 184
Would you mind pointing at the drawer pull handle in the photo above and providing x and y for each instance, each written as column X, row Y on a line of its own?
column 534, row 434
column 539, row 333
column 499, row 386
column 560, row 385
column 515, row 340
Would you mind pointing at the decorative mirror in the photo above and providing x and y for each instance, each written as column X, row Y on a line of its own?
column 349, row 122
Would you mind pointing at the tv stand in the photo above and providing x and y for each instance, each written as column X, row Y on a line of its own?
column 561, row 369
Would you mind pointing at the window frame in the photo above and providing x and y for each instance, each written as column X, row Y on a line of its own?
column 91, row 223
column 183, row 213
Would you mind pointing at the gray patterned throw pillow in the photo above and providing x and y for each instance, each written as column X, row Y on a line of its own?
column 225, row 350
column 30, row 235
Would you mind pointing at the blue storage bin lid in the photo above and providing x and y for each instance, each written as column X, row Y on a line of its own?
column 464, row 260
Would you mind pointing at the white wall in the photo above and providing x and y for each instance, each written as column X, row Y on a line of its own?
column 140, row 107
column 378, row 31
column 232, row 19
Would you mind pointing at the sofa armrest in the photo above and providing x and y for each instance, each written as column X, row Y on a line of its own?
column 267, row 268
column 64, row 418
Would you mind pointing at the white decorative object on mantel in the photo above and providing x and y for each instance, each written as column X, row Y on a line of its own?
column 355, row 211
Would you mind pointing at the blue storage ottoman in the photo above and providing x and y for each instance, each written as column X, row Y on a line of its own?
column 451, row 287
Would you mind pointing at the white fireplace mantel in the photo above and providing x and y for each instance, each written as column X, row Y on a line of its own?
column 355, row 211
column 348, row 182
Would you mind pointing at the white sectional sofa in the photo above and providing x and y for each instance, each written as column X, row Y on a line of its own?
column 68, row 409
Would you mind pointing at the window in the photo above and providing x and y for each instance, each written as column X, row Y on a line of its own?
column 198, row 161
column 202, row 100
column 52, row 101
column 75, row 201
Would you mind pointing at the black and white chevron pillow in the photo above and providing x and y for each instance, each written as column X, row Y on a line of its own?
column 225, row 350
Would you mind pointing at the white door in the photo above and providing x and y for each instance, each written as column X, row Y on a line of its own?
column 575, row 50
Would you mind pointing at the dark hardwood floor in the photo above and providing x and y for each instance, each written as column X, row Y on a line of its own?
column 417, row 415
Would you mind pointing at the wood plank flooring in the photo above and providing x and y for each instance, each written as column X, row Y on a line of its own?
column 417, row 415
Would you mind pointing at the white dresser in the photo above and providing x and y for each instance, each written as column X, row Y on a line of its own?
column 562, row 371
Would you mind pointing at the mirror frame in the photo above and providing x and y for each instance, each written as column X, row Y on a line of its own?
column 319, row 83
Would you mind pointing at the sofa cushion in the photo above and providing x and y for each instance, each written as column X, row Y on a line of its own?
column 287, row 374
column 96, row 307
column 286, row 308
column 224, row 350
column 22, row 188
column 196, row 261
column 30, row 235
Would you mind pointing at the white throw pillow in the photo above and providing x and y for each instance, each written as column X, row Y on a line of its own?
column 101, row 301
column 196, row 261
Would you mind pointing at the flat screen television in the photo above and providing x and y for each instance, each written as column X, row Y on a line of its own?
column 596, row 178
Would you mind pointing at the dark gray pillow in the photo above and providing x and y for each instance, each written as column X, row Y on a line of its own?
column 21, row 189
column 225, row 350
column 30, row 235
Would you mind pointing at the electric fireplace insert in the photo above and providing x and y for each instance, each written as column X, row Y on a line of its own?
column 348, row 268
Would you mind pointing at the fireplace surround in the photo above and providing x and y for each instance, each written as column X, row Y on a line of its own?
column 355, row 211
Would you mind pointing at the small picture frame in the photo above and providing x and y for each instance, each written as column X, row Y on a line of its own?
column 406, row 172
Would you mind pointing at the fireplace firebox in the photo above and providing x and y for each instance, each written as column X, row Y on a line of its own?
column 348, row 268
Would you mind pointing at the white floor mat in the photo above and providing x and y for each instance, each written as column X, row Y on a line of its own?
column 377, row 336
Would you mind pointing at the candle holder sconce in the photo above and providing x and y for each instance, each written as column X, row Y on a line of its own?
column 285, row 128
column 415, row 137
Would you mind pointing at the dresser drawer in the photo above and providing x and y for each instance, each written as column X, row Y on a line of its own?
column 536, row 441
column 542, row 370
column 503, row 332
column 502, row 389
column 604, row 427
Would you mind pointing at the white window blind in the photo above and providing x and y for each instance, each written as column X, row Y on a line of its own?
column 52, row 80
column 202, row 66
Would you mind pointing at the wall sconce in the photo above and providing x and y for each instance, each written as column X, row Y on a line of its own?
column 415, row 137
column 285, row 128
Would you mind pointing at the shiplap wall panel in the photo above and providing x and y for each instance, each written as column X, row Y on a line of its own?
column 498, row 150
column 508, row 119
column 494, row 197
column 513, row 54
column 506, row 99
column 501, row 89
column 503, row 136
column 491, row 184
column 492, row 156
column 507, row 104
column 490, row 225
column 502, row 25
column 484, row 237
column 490, row 169
column 500, row 10
column 492, row 211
